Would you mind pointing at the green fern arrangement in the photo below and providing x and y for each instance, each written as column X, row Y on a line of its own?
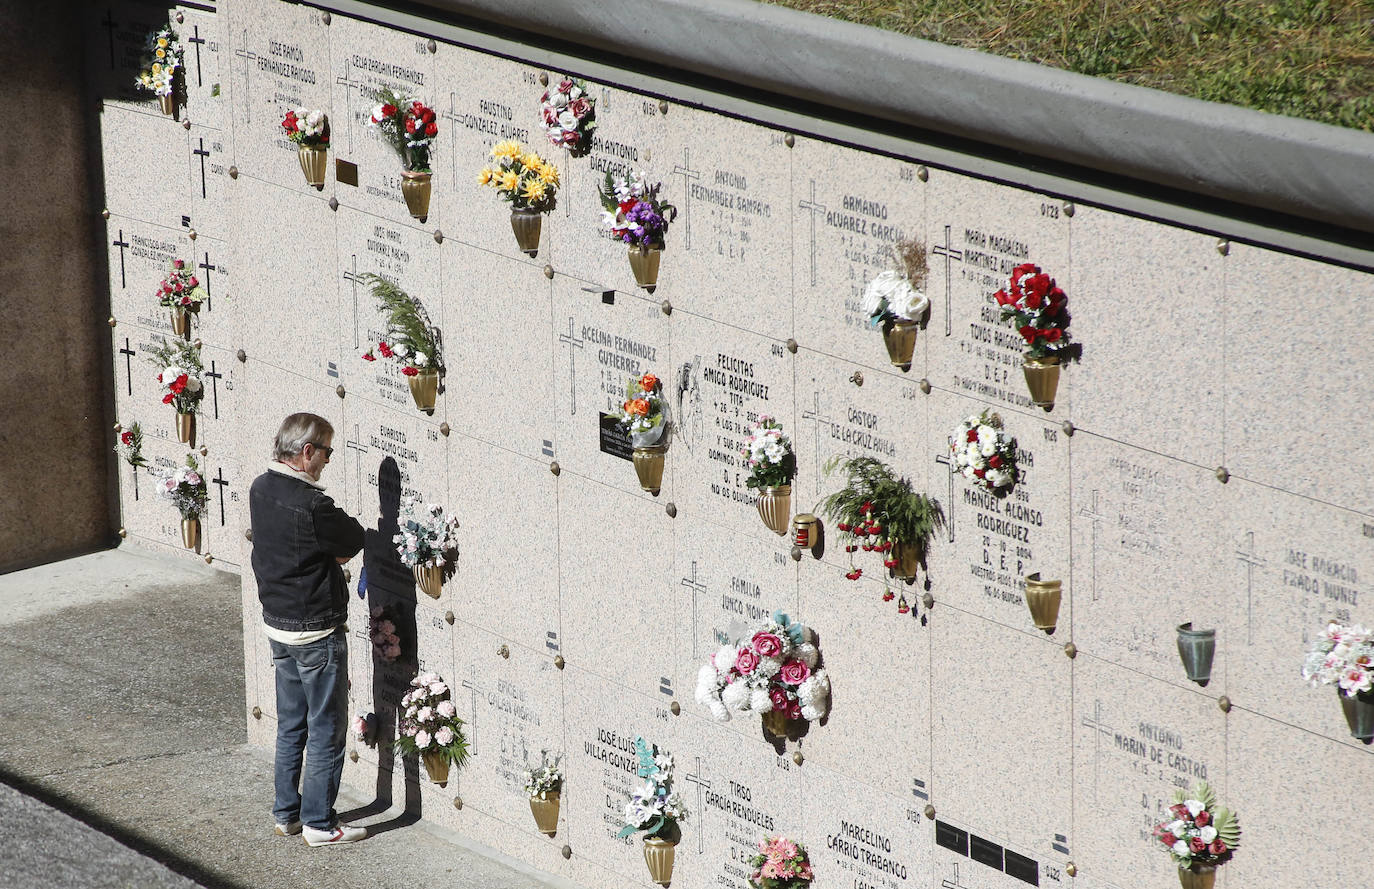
column 881, row 509
column 410, row 335
column 1201, row 833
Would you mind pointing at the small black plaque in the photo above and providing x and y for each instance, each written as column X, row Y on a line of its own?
column 614, row 441
column 985, row 852
column 608, row 297
column 346, row 172
column 1022, row 868
column 951, row 837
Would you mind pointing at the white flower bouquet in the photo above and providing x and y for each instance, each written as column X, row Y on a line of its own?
column 1342, row 656
column 890, row 297
column 546, row 779
column 163, row 60
column 184, row 487
column 569, row 115
column 768, row 454
column 776, row 670
column 179, row 374
column 428, row 536
column 306, row 127
column 654, row 807
column 984, row 453
column 429, row 722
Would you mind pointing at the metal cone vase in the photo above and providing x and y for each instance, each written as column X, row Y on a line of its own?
column 1202, row 878
column 430, row 579
column 312, row 159
column 1359, row 714
column 1042, row 378
column 644, row 263
column 908, row 556
column 775, row 723
column 1042, row 598
column 436, row 764
column 775, row 508
column 190, row 534
column 181, row 323
column 186, row 427
column 658, row 854
column 900, row 338
column 168, row 103
column 546, row 812
column 649, row 467
column 527, row 224
column 1196, row 649
column 424, row 388
column 415, row 188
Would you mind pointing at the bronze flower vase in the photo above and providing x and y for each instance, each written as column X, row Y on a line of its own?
column 526, row 224
column 909, row 557
column 775, row 507
column 1042, row 378
column 436, row 764
column 1042, row 598
column 1359, row 714
column 186, row 427
column 430, row 579
column 644, row 264
column 181, row 323
column 424, row 388
column 168, row 103
column 545, row 812
column 1196, row 649
column 190, row 534
column 649, row 467
column 1197, row 877
column 312, row 159
column 415, row 189
column 775, row 723
column 900, row 338
column 658, row 854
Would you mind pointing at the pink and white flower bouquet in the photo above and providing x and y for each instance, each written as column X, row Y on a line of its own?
column 546, row 779
column 1342, row 656
column 428, row 535
column 780, row 864
column 776, row 670
column 1201, row 834
column 184, row 487
column 429, row 722
column 306, row 127
column 569, row 115
column 985, row 454
column 180, row 289
column 381, row 630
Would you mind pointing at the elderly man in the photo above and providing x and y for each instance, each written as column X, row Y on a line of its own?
column 300, row 541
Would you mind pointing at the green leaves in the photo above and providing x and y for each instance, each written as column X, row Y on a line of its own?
column 407, row 321
column 906, row 516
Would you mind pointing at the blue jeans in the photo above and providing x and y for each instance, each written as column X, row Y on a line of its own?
column 312, row 720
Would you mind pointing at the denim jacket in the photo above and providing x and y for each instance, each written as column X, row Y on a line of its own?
column 297, row 533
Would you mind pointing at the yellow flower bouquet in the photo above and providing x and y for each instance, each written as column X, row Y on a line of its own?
column 528, row 182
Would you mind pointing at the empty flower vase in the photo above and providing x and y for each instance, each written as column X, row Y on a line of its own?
column 775, row 507
column 546, row 812
column 658, row 854
column 190, row 534
column 424, row 388
column 1359, row 714
column 1196, row 648
column 312, row 159
column 900, row 338
column 526, row 224
column 909, row 557
column 415, row 189
column 181, row 323
column 430, row 579
column 1042, row 598
column 436, row 764
column 186, row 428
column 1042, row 378
column 1197, row 877
column 644, row 263
column 649, row 467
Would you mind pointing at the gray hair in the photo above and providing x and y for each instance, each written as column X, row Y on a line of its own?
column 297, row 431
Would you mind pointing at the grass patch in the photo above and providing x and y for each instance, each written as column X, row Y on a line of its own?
column 1303, row 58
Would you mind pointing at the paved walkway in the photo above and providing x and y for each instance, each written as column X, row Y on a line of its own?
column 122, row 743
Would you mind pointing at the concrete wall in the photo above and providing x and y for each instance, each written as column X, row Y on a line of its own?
column 54, row 384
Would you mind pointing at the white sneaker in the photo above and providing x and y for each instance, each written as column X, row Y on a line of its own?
column 340, row 834
column 288, row 830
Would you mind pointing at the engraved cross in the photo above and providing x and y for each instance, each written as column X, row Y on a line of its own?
column 948, row 461
column 697, row 587
column 203, row 155
column 353, row 278
column 819, row 418
column 360, row 449
column 688, row 175
column 128, row 354
column 703, row 784
column 121, row 244
column 573, row 342
column 219, row 480
column 208, row 269
column 110, row 24
column 472, row 725
column 1095, row 514
column 197, row 40
column 1252, row 561
column 1100, row 730
column 215, row 376
column 812, row 209
column 948, row 252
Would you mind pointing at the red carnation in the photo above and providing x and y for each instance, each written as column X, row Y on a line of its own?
column 843, row 526
column 388, row 110
column 167, row 399
column 178, row 385
column 1028, row 333
column 855, row 574
column 866, row 506
column 385, row 350
column 888, row 596
column 410, row 371
column 127, row 438
column 1003, row 298
column 889, row 563
column 980, row 472
column 368, row 356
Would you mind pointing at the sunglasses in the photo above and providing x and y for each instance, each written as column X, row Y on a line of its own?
column 328, row 452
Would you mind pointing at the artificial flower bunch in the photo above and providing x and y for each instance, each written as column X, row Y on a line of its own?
column 896, row 294
column 880, row 511
column 633, row 211
column 427, row 535
column 429, row 721
column 1342, row 656
column 410, row 337
column 654, row 807
column 768, row 453
column 381, row 630
column 180, row 289
column 184, row 486
column 642, row 415
column 408, row 125
column 780, row 864
column 1201, row 833
column 1037, row 307
column 306, row 127
column 984, row 453
column 569, row 115
column 521, row 177
column 179, row 375
column 774, row 670
column 163, row 60
column 130, row 446
column 546, row 779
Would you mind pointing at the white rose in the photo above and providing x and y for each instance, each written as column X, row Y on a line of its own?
column 1207, row 834
column 559, row 99
column 1194, row 806
column 909, row 303
column 567, row 120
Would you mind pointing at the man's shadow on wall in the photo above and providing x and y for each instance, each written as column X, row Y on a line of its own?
column 391, row 588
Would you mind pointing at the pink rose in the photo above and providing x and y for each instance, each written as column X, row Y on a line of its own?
column 1202, row 819
column 1197, row 845
column 746, row 660
column 565, row 86
column 779, row 698
column 1217, row 847
column 794, row 672
column 767, row 644
column 580, row 108
column 794, row 711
